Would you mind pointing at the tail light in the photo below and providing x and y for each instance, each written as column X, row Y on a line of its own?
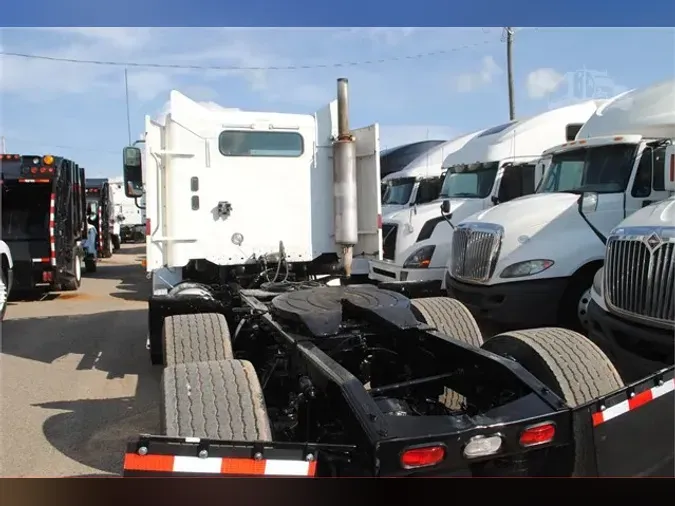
column 47, row 277
column 539, row 434
column 147, row 226
column 426, row 456
column 379, row 221
column 482, row 446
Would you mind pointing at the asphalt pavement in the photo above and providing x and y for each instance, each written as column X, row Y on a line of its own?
column 75, row 378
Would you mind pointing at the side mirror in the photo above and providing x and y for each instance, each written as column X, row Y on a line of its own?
column 445, row 207
column 588, row 202
column 133, row 172
column 669, row 172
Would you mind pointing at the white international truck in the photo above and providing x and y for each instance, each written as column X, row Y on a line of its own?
column 632, row 310
column 497, row 165
column 420, row 181
column 531, row 262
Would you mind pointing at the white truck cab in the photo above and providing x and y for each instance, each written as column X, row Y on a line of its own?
column 231, row 193
column 632, row 310
column 531, row 262
column 496, row 165
column 420, row 181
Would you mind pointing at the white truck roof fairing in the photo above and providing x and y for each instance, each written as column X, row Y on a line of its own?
column 430, row 164
column 272, row 199
column 525, row 139
column 648, row 112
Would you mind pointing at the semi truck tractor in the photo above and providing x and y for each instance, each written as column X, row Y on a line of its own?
column 497, row 165
column 632, row 309
column 531, row 262
column 419, row 181
column 268, row 371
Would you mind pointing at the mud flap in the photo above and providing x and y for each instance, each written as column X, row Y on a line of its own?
column 160, row 456
column 632, row 429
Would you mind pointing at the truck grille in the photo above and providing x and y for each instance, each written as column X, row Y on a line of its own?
column 639, row 275
column 389, row 232
column 475, row 248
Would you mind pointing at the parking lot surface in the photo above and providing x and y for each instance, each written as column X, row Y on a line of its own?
column 75, row 378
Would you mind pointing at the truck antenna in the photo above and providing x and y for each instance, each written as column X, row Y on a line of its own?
column 126, row 94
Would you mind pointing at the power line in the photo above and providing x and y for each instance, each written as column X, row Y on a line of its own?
column 59, row 146
column 378, row 61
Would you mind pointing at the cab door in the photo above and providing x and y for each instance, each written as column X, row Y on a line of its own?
column 648, row 182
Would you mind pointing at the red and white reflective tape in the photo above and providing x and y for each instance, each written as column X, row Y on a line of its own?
column 52, row 236
column 225, row 466
column 100, row 232
column 634, row 402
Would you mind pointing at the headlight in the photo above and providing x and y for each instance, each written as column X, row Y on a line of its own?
column 527, row 268
column 597, row 281
column 420, row 259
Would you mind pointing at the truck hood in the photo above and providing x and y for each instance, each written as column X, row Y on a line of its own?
column 661, row 214
column 527, row 214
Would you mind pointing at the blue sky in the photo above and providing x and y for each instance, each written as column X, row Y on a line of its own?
column 78, row 110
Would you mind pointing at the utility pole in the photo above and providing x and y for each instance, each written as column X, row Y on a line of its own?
column 2, row 145
column 509, row 71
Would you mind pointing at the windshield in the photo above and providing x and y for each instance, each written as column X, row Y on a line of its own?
column 399, row 191
column 602, row 169
column 473, row 180
column 25, row 211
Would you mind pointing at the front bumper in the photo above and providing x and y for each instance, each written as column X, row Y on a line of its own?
column 387, row 272
column 519, row 304
column 635, row 349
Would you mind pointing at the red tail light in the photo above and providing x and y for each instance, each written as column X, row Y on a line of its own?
column 379, row 221
column 538, row 434
column 422, row 457
column 33, row 170
column 147, row 226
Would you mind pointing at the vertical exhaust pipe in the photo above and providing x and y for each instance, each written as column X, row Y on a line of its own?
column 344, row 181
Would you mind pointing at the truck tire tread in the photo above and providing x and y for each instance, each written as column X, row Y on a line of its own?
column 216, row 400
column 582, row 371
column 570, row 365
column 452, row 318
column 199, row 337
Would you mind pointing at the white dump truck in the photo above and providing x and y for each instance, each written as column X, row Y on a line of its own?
column 497, row 165
column 632, row 310
column 531, row 262
column 420, row 181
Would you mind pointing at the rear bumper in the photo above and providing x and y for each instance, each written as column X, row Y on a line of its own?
column 637, row 350
column 520, row 304
column 30, row 275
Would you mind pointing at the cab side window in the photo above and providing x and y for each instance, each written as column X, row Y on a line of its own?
column 428, row 190
column 649, row 174
column 517, row 181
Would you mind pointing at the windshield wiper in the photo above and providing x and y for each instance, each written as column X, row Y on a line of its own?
column 464, row 195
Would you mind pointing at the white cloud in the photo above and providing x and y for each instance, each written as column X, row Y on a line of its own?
column 471, row 81
column 270, row 47
column 543, row 82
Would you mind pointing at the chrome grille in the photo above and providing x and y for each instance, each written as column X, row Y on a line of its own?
column 389, row 232
column 639, row 278
column 475, row 248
